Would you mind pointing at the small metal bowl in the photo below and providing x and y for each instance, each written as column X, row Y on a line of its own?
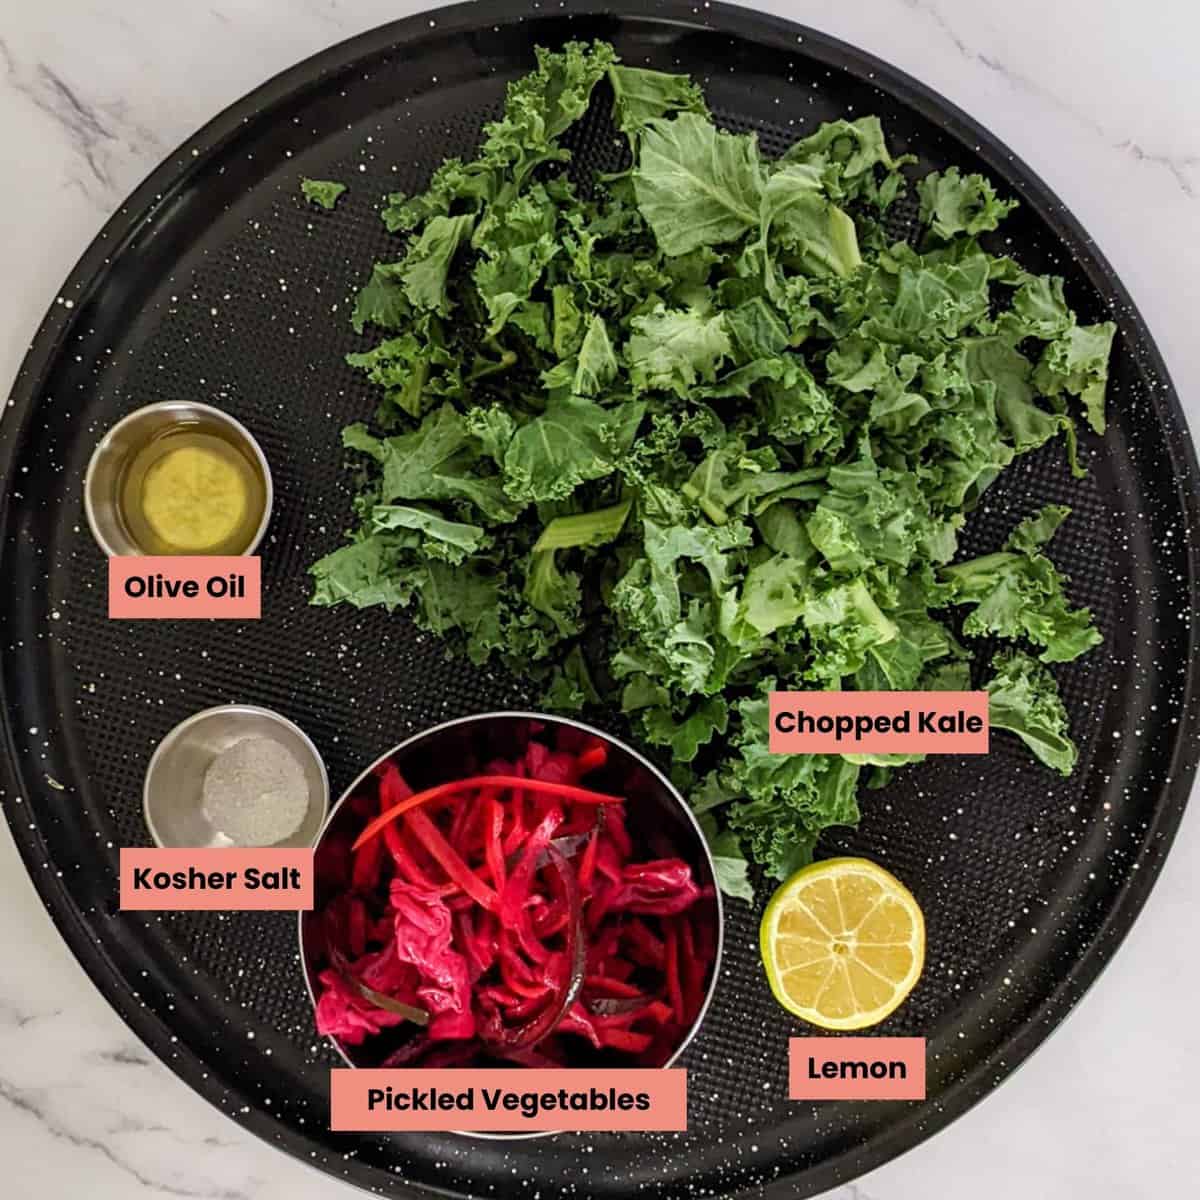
column 172, row 792
column 658, row 817
column 106, row 468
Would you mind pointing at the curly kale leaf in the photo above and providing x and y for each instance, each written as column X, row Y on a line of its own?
column 953, row 203
column 1023, row 698
column 1018, row 593
column 322, row 192
column 695, row 184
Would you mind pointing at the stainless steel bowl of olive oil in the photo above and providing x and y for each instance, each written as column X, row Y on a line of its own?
column 178, row 478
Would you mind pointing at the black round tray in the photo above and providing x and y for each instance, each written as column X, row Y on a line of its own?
column 217, row 282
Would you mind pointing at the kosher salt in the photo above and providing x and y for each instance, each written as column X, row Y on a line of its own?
column 255, row 792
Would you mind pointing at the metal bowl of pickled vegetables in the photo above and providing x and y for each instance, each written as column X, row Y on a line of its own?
column 511, row 889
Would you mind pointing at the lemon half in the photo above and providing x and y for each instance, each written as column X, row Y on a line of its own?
column 843, row 943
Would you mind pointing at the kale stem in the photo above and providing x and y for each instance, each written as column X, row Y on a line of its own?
column 484, row 368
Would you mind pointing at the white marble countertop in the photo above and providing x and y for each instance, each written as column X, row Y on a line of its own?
column 1099, row 96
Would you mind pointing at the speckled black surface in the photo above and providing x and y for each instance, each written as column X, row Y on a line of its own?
column 217, row 282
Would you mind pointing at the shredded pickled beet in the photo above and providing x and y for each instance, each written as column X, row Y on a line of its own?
column 504, row 917
column 459, row 787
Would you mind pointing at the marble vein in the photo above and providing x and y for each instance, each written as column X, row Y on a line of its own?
column 11, row 1014
column 23, row 1102
column 100, row 133
column 1180, row 167
column 122, row 1056
column 81, row 121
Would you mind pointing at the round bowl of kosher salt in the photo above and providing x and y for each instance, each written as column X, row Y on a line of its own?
column 236, row 775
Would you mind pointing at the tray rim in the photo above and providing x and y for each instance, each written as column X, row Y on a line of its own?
column 176, row 171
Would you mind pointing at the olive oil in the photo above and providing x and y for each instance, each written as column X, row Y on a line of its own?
column 192, row 489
